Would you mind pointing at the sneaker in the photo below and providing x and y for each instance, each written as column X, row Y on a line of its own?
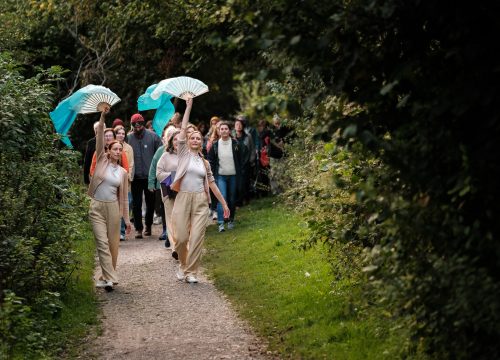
column 122, row 237
column 230, row 225
column 148, row 231
column 100, row 283
column 163, row 236
column 175, row 255
column 107, row 285
column 167, row 243
column 191, row 279
column 221, row 227
column 214, row 215
column 138, row 234
column 180, row 274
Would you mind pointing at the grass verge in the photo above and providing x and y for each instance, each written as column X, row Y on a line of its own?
column 289, row 296
column 80, row 309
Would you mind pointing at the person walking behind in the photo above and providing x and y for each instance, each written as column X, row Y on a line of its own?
column 129, row 153
column 154, row 185
column 109, row 136
column 144, row 143
column 87, row 160
column 247, row 149
column 225, row 159
column 190, row 213
column 108, row 191
column 167, row 166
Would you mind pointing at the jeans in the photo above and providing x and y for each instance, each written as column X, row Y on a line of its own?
column 227, row 187
column 140, row 186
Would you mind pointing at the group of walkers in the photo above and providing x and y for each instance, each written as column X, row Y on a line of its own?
column 187, row 177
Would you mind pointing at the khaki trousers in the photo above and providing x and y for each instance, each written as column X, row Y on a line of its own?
column 168, row 205
column 105, row 219
column 189, row 220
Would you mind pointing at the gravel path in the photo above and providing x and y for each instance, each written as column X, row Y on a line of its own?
column 152, row 315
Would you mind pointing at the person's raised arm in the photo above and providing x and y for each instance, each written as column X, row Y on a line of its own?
column 99, row 135
column 185, row 119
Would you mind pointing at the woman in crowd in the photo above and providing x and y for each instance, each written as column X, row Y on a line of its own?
column 167, row 166
column 193, row 180
column 109, row 136
column 109, row 203
column 247, row 149
column 120, row 135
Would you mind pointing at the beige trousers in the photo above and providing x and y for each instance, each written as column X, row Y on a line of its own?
column 105, row 219
column 189, row 220
column 168, row 205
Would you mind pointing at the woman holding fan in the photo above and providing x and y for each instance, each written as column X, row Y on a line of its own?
column 108, row 190
column 193, row 180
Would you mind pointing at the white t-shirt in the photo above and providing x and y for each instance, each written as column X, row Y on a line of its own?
column 226, row 160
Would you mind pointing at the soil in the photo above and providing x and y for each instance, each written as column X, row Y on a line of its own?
column 152, row 315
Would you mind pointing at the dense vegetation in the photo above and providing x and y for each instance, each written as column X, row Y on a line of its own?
column 42, row 212
column 394, row 105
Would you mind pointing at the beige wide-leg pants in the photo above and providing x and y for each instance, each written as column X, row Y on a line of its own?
column 189, row 220
column 168, row 205
column 105, row 219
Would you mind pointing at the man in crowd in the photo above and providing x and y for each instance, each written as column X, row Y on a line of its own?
column 225, row 160
column 144, row 143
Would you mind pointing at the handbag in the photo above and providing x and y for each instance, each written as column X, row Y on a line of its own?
column 166, row 190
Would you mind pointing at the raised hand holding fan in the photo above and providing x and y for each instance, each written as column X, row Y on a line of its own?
column 88, row 99
column 183, row 87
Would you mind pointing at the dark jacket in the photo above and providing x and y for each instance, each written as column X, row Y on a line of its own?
column 213, row 158
column 144, row 149
column 87, row 160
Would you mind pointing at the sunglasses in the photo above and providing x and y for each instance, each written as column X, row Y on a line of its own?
column 137, row 124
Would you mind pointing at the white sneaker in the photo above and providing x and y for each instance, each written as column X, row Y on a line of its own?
column 100, row 283
column 214, row 215
column 221, row 227
column 180, row 274
column 230, row 225
column 191, row 279
column 107, row 285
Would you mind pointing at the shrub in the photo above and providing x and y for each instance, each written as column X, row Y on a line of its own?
column 40, row 212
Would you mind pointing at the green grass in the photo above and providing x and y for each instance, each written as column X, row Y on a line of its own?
column 79, row 316
column 289, row 296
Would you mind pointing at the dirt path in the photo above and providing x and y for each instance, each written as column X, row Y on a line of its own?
column 152, row 315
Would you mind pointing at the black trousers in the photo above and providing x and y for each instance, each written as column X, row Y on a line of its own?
column 139, row 187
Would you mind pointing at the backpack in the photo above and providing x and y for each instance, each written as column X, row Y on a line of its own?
column 264, row 157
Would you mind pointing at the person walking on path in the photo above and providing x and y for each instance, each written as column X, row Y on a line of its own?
column 225, row 160
column 193, row 180
column 167, row 166
column 144, row 143
column 129, row 153
column 109, row 203
column 154, row 185
column 87, row 160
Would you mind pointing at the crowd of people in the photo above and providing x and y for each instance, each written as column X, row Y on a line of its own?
column 189, row 176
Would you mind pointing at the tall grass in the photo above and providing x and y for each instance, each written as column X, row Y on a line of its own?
column 288, row 295
column 79, row 317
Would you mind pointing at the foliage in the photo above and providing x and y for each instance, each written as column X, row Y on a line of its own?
column 41, row 213
column 420, row 153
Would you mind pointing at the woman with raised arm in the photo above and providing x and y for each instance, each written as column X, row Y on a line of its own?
column 108, row 190
column 193, row 180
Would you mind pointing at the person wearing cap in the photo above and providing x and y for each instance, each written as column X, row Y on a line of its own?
column 144, row 143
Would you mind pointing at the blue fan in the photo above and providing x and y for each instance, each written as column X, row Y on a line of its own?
column 84, row 101
column 164, row 108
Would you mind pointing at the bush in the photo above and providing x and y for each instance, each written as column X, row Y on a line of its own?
column 41, row 211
